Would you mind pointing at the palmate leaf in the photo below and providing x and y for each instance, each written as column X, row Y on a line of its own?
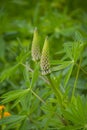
column 68, row 50
column 12, row 119
column 62, row 65
column 23, row 55
column 13, row 95
column 68, row 31
column 25, row 102
column 25, row 125
column 73, row 50
column 82, row 108
column 77, row 49
column 76, row 113
column 78, row 37
column 8, row 72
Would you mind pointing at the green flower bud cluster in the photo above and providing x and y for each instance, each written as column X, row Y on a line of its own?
column 45, row 62
column 44, row 57
column 35, row 51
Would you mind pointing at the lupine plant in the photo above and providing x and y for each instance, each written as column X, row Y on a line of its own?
column 43, row 78
column 64, row 109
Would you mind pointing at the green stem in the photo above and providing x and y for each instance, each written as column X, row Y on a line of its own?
column 56, row 91
column 75, row 83
column 31, row 70
column 37, row 96
column 82, row 69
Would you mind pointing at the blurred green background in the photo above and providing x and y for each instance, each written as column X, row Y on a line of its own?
column 55, row 18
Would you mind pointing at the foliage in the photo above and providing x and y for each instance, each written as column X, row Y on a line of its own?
column 48, row 100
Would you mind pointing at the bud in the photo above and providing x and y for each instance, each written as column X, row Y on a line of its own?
column 35, row 51
column 45, row 62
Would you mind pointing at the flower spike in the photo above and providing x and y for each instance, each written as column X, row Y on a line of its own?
column 45, row 62
column 35, row 51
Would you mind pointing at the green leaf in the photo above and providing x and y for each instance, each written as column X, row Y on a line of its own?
column 11, row 119
column 62, row 66
column 78, row 37
column 67, row 77
column 59, row 62
column 8, row 72
column 10, row 96
column 76, row 112
column 35, row 75
column 77, row 49
column 23, row 56
column 67, row 48
column 2, row 48
column 26, row 76
column 25, row 102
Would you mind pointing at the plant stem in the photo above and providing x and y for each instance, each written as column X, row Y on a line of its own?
column 75, row 83
column 37, row 96
column 56, row 91
column 31, row 70
column 82, row 69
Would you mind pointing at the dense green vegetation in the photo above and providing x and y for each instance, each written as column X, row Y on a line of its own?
column 43, row 65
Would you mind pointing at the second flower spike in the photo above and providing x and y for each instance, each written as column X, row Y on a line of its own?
column 35, row 51
column 45, row 62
